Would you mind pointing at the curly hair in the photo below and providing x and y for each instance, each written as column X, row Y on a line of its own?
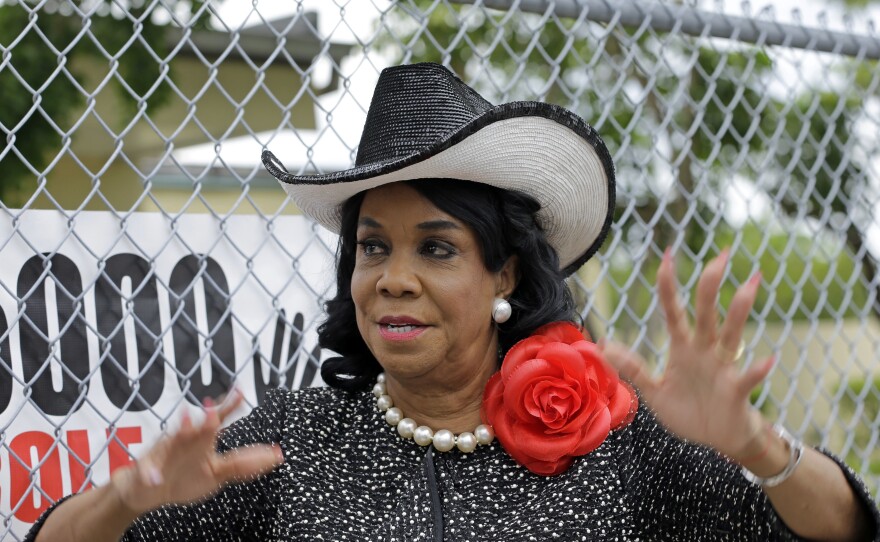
column 505, row 225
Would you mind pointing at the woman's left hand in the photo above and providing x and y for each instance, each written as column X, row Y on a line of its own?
column 703, row 394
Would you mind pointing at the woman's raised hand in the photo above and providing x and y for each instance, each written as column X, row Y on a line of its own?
column 184, row 467
column 703, row 395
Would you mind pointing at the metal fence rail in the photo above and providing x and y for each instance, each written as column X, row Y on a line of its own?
column 149, row 261
column 671, row 17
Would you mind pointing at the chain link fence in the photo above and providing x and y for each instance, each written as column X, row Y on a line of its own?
column 149, row 262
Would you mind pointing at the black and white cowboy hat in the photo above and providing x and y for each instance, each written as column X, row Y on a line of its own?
column 425, row 123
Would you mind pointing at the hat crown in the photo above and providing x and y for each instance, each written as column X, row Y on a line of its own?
column 413, row 107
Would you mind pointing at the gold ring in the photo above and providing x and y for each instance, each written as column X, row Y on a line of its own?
column 732, row 355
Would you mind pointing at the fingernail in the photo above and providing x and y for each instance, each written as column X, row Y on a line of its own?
column 279, row 454
column 207, row 402
column 667, row 254
column 154, row 476
column 755, row 281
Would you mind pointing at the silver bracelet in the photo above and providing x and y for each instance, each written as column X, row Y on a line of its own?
column 795, row 452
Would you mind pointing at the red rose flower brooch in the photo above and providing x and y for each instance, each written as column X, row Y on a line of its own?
column 555, row 398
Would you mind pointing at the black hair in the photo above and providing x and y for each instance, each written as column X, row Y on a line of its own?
column 505, row 225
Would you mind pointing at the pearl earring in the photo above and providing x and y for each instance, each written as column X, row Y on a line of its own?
column 501, row 310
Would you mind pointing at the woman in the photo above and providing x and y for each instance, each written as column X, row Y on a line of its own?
column 437, row 280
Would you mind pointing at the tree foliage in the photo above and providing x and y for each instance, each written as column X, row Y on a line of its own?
column 38, row 97
column 41, row 78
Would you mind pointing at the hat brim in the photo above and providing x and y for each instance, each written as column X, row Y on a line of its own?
column 538, row 149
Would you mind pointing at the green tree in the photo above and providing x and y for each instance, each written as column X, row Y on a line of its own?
column 822, row 178
column 41, row 83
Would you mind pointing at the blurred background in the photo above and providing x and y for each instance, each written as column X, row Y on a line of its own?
column 749, row 126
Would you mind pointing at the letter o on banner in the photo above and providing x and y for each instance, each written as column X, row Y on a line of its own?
column 127, row 278
column 41, row 278
column 201, row 277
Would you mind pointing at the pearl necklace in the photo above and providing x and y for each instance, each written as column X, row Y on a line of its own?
column 443, row 440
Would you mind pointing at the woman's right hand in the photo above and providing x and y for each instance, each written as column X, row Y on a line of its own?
column 179, row 468
column 185, row 468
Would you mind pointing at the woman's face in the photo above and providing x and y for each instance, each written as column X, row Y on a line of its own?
column 422, row 294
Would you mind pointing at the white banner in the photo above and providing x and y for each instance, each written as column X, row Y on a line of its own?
column 111, row 326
